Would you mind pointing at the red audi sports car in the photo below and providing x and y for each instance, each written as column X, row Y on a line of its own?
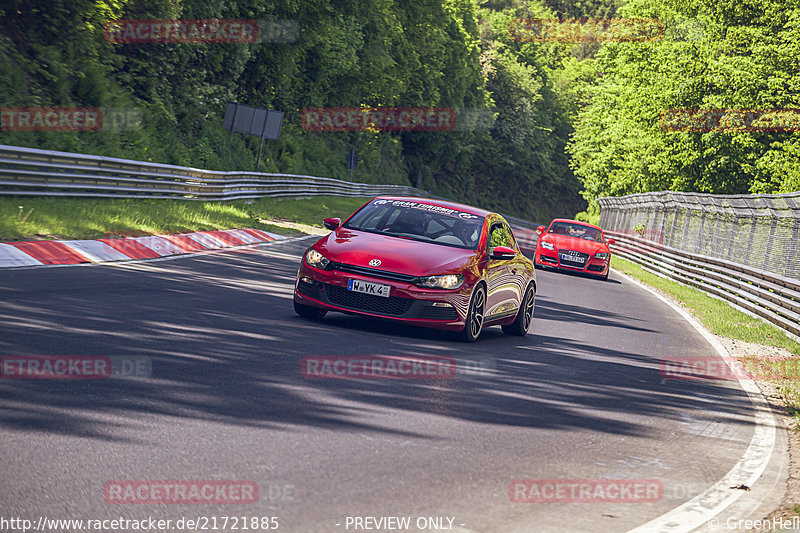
column 423, row 262
column 574, row 246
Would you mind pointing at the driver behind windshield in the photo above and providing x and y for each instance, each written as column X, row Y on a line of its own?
column 578, row 231
column 467, row 232
column 411, row 221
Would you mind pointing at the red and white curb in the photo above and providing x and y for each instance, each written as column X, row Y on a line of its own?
column 38, row 253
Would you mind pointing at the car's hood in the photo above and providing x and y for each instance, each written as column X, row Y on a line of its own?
column 395, row 254
column 565, row 242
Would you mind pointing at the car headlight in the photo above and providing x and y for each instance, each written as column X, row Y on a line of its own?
column 602, row 255
column 447, row 281
column 547, row 246
column 316, row 259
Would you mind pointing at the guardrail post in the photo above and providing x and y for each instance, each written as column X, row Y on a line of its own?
column 793, row 264
column 699, row 237
column 732, row 240
column 772, row 227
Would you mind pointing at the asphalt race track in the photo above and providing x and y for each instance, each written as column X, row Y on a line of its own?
column 581, row 397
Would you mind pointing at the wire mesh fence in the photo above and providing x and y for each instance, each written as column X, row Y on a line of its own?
column 759, row 231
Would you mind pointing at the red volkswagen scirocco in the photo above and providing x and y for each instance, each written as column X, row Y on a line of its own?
column 423, row 262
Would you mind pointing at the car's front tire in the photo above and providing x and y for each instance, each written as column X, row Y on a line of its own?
column 475, row 314
column 522, row 323
column 307, row 311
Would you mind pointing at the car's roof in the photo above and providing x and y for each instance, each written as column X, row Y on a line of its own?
column 440, row 203
column 575, row 222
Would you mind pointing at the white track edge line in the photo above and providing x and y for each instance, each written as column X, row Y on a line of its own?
column 698, row 511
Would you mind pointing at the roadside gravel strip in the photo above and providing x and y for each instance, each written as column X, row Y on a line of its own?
column 49, row 253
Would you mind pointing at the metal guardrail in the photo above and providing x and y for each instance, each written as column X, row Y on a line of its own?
column 665, row 227
column 34, row 172
column 772, row 297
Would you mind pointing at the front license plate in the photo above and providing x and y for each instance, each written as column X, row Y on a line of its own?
column 573, row 258
column 367, row 287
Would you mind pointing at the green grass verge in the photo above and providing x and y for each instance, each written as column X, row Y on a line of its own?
column 30, row 218
column 309, row 211
column 722, row 319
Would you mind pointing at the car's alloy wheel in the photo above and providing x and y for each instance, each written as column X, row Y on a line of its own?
column 524, row 318
column 472, row 329
column 308, row 311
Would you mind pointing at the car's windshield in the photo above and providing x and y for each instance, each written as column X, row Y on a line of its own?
column 419, row 221
column 572, row 229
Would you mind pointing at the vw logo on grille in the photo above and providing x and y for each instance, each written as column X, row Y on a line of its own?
column 375, row 262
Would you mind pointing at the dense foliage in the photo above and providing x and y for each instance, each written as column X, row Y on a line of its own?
column 349, row 53
column 715, row 54
column 563, row 117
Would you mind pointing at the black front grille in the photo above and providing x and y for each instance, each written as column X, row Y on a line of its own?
column 547, row 259
column 391, row 306
column 567, row 261
column 366, row 271
column 308, row 289
column 595, row 268
column 427, row 311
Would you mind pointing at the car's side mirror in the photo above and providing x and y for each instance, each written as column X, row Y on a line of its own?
column 503, row 252
column 540, row 229
column 332, row 223
column 611, row 241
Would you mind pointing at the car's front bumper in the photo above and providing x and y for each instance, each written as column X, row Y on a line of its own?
column 434, row 308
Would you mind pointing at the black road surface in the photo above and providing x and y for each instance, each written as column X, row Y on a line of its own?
column 581, row 397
